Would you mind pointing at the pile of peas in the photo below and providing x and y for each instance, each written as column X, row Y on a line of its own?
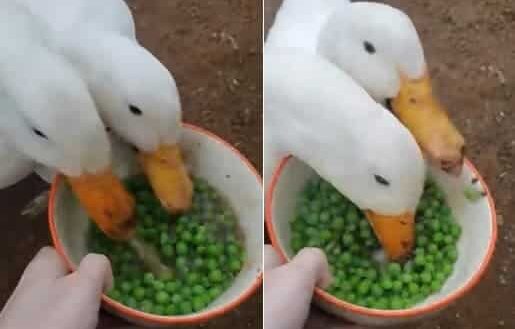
column 326, row 219
column 203, row 247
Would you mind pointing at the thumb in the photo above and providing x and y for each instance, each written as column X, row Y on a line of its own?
column 93, row 277
column 313, row 263
column 289, row 289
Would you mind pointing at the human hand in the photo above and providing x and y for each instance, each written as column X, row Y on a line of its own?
column 47, row 297
column 289, row 288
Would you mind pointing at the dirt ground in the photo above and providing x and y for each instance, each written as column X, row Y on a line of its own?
column 471, row 55
column 213, row 49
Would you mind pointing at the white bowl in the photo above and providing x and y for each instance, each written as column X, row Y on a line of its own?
column 475, row 247
column 222, row 166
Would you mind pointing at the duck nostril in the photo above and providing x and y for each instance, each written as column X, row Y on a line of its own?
column 388, row 104
column 463, row 150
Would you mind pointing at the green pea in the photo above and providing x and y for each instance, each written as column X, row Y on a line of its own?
column 235, row 265
column 192, row 278
column 364, row 288
column 432, row 248
column 139, row 293
column 198, row 303
column 439, row 276
column 426, row 277
column 413, row 288
column 171, row 309
column 186, row 308
column 422, row 240
column 325, row 217
column 396, row 303
column 131, row 302
column 419, row 260
column 452, row 254
column 167, row 250
column 394, row 269
column 171, row 287
column 162, row 297
column 158, row 285
column 181, row 263
column 215, row 292
column 176, row 299
column 347, row 239
column 181, row 248
column 377, row 290
column 436, row 286
column 387, row 284
column 435, row 225
column 126, row 286
column 338, row 223
column 456, row 231
column 325, row 235
column 198, row 290
column 159, row 310
column 397, row 286
column 216, row 276
column 147, row 306
column 115, row 294
column 406, row 278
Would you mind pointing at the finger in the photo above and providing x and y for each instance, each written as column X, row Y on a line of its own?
column 47, row 264
column 271, row 258
column 95, row 274
column 313, row 262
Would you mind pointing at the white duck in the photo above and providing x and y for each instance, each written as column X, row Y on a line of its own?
column 351, row 141
column 49, row 117
column 135, row 94
column 378, row 46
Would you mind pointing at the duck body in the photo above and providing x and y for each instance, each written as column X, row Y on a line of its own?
column 15, row 165
column 298, row 23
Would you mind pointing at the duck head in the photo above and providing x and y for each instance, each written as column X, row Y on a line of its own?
column 50, row 117
column 378, row 46
column 385, row 180
column 138, row 98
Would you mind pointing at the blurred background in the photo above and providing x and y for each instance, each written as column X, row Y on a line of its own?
column 471, row 55
column 213, row 48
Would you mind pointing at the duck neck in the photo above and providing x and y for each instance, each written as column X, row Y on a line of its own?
column 93, row 56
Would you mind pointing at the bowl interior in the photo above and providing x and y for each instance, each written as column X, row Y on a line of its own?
column 207, row 157
column 476, row 220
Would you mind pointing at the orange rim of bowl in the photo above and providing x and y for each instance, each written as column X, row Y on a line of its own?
column 412, row 312
column 157, row 319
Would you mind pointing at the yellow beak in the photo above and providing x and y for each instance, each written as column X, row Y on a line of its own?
column 168, row 176
column 418, row 109
column 106, row 201
column 395, row 233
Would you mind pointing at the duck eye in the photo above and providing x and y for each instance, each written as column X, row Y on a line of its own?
column 135, row 110
column 39, row 133
column 381, row 180
column 369, row 47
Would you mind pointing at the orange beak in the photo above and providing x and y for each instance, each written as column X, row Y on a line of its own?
column 107, row 203
column 168, row 177
column 418, row 109
column 395, row 233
